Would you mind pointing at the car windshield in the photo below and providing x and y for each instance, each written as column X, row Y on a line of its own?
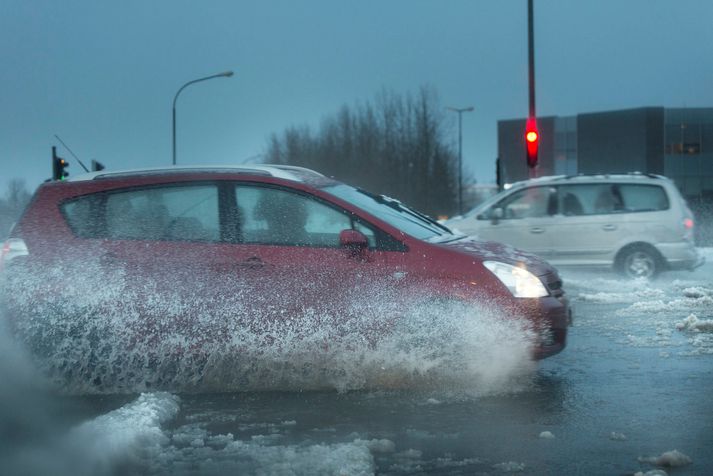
column 394, row 213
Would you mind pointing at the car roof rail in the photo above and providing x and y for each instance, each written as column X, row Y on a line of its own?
column 287, row 172
column 618, row 174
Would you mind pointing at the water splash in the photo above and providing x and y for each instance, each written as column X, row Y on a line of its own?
column 101, row 335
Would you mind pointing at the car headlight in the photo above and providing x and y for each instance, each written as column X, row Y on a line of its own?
column 519, row 281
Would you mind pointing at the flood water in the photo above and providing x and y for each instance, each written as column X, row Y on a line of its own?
column 631, row 393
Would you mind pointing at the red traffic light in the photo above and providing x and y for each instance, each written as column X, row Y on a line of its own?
column 532, row 141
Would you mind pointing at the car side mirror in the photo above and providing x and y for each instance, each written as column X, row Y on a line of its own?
column 354, row 242
column 496, row 215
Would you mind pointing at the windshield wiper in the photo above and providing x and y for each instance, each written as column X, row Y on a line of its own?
column 400, row 207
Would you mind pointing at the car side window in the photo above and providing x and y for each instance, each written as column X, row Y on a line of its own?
column 531, row 202
column 170, row 213
column 275, row 216
column 83, row 216
column 643, row 198
column 174, row 213
column 583, row 199
column 607, row 199
column 610, row 198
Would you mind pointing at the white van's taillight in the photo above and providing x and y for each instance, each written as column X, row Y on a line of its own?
column 688, row 225
column 11, row 249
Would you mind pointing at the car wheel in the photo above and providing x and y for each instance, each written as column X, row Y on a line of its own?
column 639, row 263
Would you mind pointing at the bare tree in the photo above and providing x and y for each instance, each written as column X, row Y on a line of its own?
column 395, row 145
column 16, row 199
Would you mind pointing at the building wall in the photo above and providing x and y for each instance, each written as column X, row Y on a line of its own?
column 688, row 150
column 620, row 141
column 565, row 147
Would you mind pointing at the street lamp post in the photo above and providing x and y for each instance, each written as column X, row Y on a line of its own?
column 225, row 74
column 460, row 112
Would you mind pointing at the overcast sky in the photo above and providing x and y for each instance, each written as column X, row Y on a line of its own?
column 102, row 74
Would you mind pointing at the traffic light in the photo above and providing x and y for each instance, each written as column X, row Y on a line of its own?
column 59, row 166
column 532, row 141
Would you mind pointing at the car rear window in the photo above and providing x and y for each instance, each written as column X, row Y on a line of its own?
column 608, row 198
column 644, row 198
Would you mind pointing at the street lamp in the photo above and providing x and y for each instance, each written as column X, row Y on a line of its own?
column 460, row 112
column 225, row 74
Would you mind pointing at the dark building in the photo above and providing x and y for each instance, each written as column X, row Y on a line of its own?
column 676, row 142
column 621, row 141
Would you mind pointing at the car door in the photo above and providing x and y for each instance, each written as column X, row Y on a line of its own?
column 522, row 219
column 301, row 280
column 589, row 225
column 167, row 245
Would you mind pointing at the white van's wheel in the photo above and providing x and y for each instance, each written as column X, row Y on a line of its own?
column 639, row 262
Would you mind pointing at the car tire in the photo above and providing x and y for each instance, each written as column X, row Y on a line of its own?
column 639, row 262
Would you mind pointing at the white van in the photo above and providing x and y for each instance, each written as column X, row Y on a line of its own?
column 635, row 223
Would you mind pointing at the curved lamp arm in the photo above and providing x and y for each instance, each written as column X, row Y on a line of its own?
column 225, row 74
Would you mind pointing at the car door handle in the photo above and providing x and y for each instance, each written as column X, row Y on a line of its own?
column 608, row 227
column 254, row 262
column 537, row 229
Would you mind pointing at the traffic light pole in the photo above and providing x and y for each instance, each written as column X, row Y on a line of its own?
column 531, row 118
column 531, row 57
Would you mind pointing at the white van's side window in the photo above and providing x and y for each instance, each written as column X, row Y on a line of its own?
column 644, row 198
column 608, row 198
column 588, row 199
column 531, row 202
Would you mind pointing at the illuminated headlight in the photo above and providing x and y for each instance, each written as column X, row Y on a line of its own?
column 519, row 281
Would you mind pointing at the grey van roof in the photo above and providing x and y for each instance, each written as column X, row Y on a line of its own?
column 287, row 172
column 561, row 179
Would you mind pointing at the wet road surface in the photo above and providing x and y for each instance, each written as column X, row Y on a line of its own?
column 634, row 383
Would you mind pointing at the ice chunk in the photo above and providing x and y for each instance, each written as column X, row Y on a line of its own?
column 129, row 433
column 547, row 435
column 669, row 459
column 617, row 436
column 695, row 292
column 692, row 323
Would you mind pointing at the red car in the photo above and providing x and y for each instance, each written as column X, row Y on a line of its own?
column 196, row 256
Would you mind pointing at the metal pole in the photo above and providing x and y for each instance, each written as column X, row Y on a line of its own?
column 460, row 162
column 531, row 56
column 531, row 70
column 460, row 112
column 225, row 74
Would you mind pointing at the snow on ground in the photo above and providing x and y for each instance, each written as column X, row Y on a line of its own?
column 128, row 435
column 692, row 323
column 672, row 312
column 669, row 459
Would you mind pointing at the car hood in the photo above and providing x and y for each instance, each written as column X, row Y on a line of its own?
column 494, row 251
